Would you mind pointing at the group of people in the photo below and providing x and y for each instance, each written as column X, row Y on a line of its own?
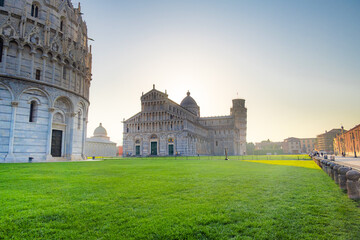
column 318, row 154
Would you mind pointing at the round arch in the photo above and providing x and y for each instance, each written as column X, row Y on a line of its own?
column 14, row 40
column 9, row 89
column 35, row 89
column 67, row 100
column 83, row 107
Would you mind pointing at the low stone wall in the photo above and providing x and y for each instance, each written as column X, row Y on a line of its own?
column 345, row 177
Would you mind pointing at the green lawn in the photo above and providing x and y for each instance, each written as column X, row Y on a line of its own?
column 174, row 199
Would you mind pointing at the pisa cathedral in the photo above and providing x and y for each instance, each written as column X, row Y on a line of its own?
column 165, row 128
column 45, row 74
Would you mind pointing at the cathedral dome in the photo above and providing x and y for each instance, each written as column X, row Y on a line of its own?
column 100, row 131
column 190, row 104
column 188, row 101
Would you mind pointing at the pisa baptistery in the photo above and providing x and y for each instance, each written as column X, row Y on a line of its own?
column 45, row 74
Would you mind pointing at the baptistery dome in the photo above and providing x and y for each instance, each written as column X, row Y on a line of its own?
column 45, row 75
column 190, row 104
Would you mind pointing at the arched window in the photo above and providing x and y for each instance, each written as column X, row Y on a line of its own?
column 34, row 10
column 64, row 72
column 37, row 74
column 61, row 25
column 1, row 48
column 33, row 110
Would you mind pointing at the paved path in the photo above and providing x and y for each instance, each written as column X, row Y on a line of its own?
column 349, row 161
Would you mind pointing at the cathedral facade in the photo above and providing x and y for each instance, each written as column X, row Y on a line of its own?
column 45, row 74
column 165, row 128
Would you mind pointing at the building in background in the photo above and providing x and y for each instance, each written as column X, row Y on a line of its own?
column 120, row 150
column 164, row 128
column 307, row 145
column 348, row 143
column 100, row 145
column 292, row 145
column 325, row 141
column 45, row 74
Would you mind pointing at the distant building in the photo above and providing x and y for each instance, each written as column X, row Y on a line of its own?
column 164, row 128
column 292, row 145
column 120, row 150
column 307, row 145
column 100, row 145
column 325, row 141
column 348, row 142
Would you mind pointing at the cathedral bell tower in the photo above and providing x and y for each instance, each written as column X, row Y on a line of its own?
column 239, row 112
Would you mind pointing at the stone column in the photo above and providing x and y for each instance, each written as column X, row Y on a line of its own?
column 44, row 67
column 353, row 184
column 70, row 78
column 53, row 72
column 79, row 82
column 49, row 136
column 32, row 53
column 84, row 138
column 10, row 156
column 75, row 80
column 71, row 135
column 20, row 49
column 4, row 58
column 83, row 86
column 72, row 70
column 62, row 83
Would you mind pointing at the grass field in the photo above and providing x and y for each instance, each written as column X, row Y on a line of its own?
column 248, row 157
column 174, row 199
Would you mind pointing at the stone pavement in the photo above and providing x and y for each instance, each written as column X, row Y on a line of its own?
column 349, row 161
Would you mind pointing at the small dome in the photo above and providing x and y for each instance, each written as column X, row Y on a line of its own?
column 100, row 131
column 190, row 104
column 188, row 101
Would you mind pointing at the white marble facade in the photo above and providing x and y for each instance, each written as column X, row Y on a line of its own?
column 99, row 145
column 45, row 74
column 165, row 128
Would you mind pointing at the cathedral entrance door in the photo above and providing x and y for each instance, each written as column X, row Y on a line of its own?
column 154, row 148
column 56, row 143
column 137, row 150
column 171, row 149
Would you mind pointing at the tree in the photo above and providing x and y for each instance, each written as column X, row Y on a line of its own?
column 250, row 147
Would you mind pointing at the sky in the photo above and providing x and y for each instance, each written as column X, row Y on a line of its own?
column 296, row 63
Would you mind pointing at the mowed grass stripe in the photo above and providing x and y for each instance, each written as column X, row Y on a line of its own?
column 173, row 199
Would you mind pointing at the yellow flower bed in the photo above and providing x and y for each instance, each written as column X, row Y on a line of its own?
column 295, row 163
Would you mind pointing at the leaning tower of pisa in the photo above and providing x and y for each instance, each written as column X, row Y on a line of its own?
column 45, row 75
